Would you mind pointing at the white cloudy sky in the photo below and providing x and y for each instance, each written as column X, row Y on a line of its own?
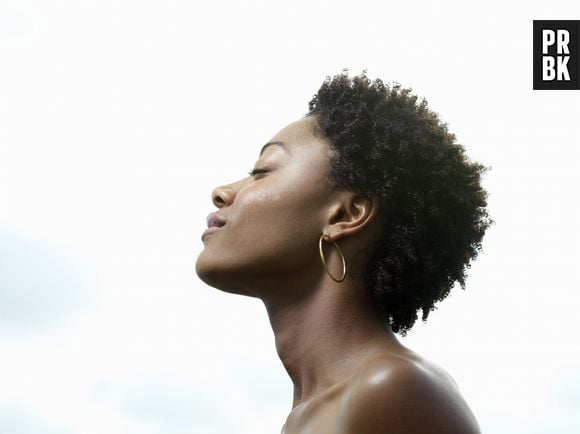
column 118, row 118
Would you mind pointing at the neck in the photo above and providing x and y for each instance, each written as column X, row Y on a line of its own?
column 322, row 335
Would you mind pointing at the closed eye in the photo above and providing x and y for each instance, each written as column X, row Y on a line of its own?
column 257, row 171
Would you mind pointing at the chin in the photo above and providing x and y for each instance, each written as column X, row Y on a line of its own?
column 206, row 269
column 216, row 275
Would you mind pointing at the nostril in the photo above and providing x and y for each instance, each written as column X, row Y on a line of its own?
column 223, row 196
column 216, row 197
column 218, row 201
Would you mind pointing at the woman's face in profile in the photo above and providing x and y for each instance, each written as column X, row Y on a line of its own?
column 273, row 220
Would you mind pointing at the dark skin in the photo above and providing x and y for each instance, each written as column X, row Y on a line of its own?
column 350, row 374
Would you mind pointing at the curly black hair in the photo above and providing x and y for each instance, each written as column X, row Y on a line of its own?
column 432, row 214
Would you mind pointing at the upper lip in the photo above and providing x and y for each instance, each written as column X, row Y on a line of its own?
column 214, row 219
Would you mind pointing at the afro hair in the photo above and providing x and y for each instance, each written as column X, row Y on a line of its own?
column 433, row 215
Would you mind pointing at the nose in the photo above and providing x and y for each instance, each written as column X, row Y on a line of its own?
column 223, row 196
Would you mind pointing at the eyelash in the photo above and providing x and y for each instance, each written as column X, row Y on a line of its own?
column 256, row 171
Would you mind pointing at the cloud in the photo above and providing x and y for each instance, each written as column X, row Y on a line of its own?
column 164, row 404
column 264, row 384
column 15, row 419
column 41, row 284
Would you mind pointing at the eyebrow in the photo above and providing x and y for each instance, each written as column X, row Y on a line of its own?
column 276, row 142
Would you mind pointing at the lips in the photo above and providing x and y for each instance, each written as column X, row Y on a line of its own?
column 215, row 220
column 214, row 223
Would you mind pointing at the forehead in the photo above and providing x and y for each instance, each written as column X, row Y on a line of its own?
column 299, row 138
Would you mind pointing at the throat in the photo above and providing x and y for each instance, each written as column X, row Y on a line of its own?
column 322, row 342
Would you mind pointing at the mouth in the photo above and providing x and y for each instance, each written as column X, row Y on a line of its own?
column 214, row 223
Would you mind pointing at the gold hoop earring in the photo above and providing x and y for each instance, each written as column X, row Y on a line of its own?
column 324, row 260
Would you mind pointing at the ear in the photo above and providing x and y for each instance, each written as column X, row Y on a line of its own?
column 350, row 214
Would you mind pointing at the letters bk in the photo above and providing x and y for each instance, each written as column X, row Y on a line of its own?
column 556, row 54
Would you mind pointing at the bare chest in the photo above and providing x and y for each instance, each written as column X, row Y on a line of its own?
column 320, row 418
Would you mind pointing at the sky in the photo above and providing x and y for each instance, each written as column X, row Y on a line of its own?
column 118, row 119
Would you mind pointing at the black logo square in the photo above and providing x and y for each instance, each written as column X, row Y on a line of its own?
column 556, row 46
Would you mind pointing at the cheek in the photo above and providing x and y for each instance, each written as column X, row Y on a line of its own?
column 272, row 229
column 282, row 210
column 262, row 217
column 279, row 225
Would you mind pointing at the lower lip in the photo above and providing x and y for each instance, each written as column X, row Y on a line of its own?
column 211, row 230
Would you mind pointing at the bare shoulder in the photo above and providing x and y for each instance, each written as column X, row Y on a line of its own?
column 399, row 394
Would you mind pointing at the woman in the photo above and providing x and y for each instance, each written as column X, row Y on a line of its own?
column 354, row 218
